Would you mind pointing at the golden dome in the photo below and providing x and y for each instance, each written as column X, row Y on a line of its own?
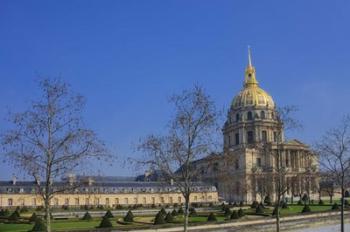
column 252, row 94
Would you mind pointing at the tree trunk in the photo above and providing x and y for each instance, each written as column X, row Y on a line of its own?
column 47, row 215
column 187, row 211
column 342, row 211
column 331, row 199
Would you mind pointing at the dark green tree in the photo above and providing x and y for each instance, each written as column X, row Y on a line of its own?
column 159, row 219
column 105, row 223
column 109, row 214
column 129, row 217
column 39, row 226
column 180, row 211
column 174, row 213
column 212, row 217
column 234, row 215
column 240, row 212
column 33, row 218
column 306, row 209
column 87, row 217
column 169, row 218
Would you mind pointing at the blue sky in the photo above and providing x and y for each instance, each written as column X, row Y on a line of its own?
column 127, row 57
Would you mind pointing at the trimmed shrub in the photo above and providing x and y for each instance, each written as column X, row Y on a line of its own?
column 284, row 205
column 300, row 202
column 306, row 209
column 259, row 210
column 305, row 198
column 227, row 212
column 87, row 217
column 346, row 203
column 109, row 214
column 174, row 213
column 39, row 208
column 33, row 218
column 169, row 218
column 254, row 205
column 105, row 223
column 162, row 211
column 267, row 200
column 39, row 226
column 274, row 212
column 24, row 209
column 193, row 212
column 234, row 215
column 211, row 217
column 320, row 202
column 4, row 212
column 129, row 217
column 335, row 206
column 180, row 211
column 240, row 212
column 159, row 219
column 241, row 204
column 223, row 206
column 235, row 204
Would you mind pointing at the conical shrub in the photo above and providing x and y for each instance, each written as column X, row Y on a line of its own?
column 306, row 209
column 335, row 206
column 87, row 217
column 180, row 211
column 240, row 212
column 162, row 211
column 174, row 213
column 259, row 209
column 234, row 215
column 105, row 223
column 193, row 212
column 14, row 216
column 159, row 219
column 169, row 218
column 39, row 226
column 33, row 218
column 129, row 217
column 109, row 214
column 211, row 217
column 227, row 212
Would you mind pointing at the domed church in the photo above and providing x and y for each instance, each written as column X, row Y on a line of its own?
column 257, row 163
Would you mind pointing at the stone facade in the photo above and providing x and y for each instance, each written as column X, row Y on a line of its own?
column 255, row 151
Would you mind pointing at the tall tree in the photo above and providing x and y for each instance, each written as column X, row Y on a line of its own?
column 49, row 140
column 189, row 137
column 334, row 151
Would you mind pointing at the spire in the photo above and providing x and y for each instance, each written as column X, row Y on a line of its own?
column 250, row 79
column 249, row 57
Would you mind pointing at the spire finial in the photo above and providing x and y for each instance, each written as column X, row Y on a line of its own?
column 249, row 57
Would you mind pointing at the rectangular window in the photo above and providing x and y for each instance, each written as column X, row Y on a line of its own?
column 34, row 201
column 55, row 202
column 126, row 201
column 264, row 136
column 66, row 201
column 144, row 201
column 250, row 137
column 275, row 136
column 107, row 201
column 135, row 200
column 229, row 141
column 10, row 202
column 170, row 200
column 236, row 138
column 76, row 201
column 153, row 200
column 195, row 198
column 87, row 202
column 179, row 199
column 162, row 200
column 116, row 201
column 258, row 162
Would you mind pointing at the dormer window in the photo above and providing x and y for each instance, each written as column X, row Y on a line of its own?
column 237, row 117
column 262, row 114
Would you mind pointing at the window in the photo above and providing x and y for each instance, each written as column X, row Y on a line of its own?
column 107, row 201
column 87, row 202
column 229, row 141
column 275, row 136
column 237, row 138
column 126, row 200
column 135, row 200
column 10, row 202
column 116, row 201
column 162, row 200
column 179, row 199
column 237, row 117
column 170, row 200
column 55, row 201
column 144, row 200
column 258, row 162
column 250, row 116
column 76, row 201
column 250, row 137
column 262, row 114
column 237, row 164
column 195, row 198
column 66, row 201
column 34, row 202
column 264, row 136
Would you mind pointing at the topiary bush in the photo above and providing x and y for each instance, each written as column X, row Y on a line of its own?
column 193, row 212
column 129, row 217
column 33, row 218
column 4, row 212
column 335, row 206
column 105, row 223
column 267, row 200
column 159, row 219
column 227, row 212
column 87, row 217
column 254, row 205
column 241, row 204
column 211, row 218
column 109, row 214
column 24, row 209
column 274, row 212
column 320, row 202
column 169, row 218
column 162, row 211
column 306, row 209
column 259, row 209
column 284, row 205
column 180, row 211
column 39, row 226
column 300, row 202
column 240, row 212
column 234, row 215
column 174, row 213
column 14, row 216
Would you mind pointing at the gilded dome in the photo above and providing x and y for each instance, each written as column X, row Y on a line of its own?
column 252, row 94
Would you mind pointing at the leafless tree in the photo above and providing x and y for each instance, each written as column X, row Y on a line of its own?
column 189, row 138
column 285, row 121
column 49, row 140
column 334, row 151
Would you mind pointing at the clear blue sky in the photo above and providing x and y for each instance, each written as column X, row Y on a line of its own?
column 127, row 57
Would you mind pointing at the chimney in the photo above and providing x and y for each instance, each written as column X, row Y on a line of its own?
column 14, row 180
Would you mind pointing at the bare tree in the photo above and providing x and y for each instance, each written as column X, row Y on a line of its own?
column 49, row 140
column 189, row 138
column 285, row 121
column 334, row 151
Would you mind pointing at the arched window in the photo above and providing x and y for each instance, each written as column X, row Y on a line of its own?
column 262, row 114
column 237, row 117
column 250, row 115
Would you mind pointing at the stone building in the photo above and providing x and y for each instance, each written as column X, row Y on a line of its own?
column 103, row 191
column 254, row 142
